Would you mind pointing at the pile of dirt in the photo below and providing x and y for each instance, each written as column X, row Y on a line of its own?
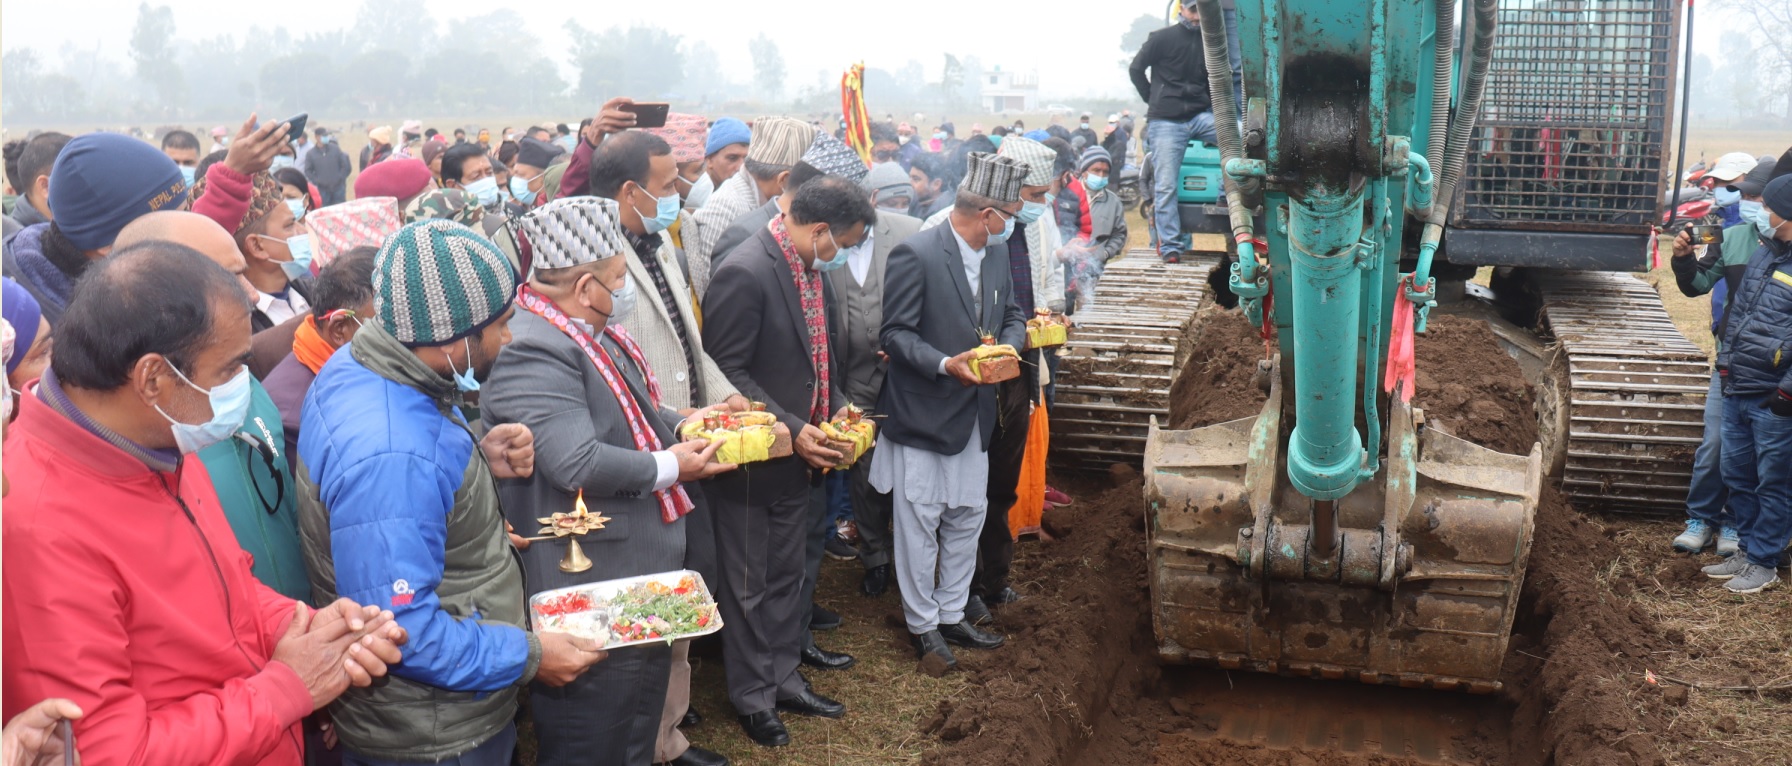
column 1471, row 388
column 1215, row 384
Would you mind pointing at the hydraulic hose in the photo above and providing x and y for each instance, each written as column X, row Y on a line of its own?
column 1441, row 68
column 1468, row 110
column 1225, row 124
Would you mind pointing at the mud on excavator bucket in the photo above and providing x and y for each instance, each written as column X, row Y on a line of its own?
column 1417, row 586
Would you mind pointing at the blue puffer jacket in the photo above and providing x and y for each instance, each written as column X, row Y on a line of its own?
column 1757, row 345
column 397, row 508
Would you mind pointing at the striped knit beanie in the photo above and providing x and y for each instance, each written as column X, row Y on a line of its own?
column 436, row 281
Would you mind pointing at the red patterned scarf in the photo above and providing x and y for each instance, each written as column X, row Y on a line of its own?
column 815, row 315
column 674, row 502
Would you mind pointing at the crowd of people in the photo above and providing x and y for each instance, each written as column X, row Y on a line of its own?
column 1740, row 501
column 336, row 412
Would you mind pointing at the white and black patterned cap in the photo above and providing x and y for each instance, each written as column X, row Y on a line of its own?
column 780, row 140
column 1039, row 159
column 832, row 156
column 573, row 231
column 994, row 176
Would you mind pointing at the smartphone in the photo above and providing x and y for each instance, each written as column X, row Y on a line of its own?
column 297, row 125
column 649, row 115
column 1708, row 234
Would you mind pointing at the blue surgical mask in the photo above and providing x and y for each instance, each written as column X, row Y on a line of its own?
column 1726, row 196
column 665, row 213
column 839, row 260
column 485, row 190
column 465, row 380
column 1767, row 229
column 230, row 405
column 281, row 161
column 623, row 300
column 299, row 246
column 297, row 206
column 1007, row 231
column 1095, row 183
column 326, row 139
column 940, row 135
column 519, row 190
column 189, row 174
column 1748, row 209
column 1030, row 212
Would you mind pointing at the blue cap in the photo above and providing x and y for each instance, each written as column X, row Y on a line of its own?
column 726, row 132
column 1037, row 135
column 103, row 181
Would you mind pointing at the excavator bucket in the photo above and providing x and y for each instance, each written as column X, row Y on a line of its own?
column 1417, row 586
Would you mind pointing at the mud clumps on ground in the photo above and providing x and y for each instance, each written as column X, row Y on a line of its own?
column 1215, row 384
column 1471, row 388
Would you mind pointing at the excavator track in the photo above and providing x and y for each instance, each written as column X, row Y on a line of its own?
column 1625, row 409
column 1122, row 357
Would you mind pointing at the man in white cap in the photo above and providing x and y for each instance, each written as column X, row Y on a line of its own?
column 1722, row 179
column 943, row 288
column 582, row 387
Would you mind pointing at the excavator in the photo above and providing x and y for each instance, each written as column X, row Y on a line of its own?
column 1386, row 149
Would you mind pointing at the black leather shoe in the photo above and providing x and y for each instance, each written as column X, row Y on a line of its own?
column 933, row 643
column 1003, row 598
column 822, row 659
column 692, row 719
column 823, row 618
column 810, row 703
column 876, row 582
column 975, row 613
column 697, row 756
column 967, row 635
column 765, row 728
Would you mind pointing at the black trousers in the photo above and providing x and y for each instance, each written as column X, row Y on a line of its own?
column 871, row 509
column 995, row 546
column 610, row 715
column 761, row 548
column 814, row 545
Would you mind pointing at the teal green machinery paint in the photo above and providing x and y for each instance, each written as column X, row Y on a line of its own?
column 1326, row 451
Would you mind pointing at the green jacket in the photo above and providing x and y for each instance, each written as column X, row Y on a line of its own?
column 256, row 490
column 1723, row 264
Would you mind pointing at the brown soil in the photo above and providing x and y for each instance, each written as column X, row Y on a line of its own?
column 1079, row 681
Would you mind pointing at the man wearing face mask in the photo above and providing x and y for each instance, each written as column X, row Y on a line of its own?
column 581, row 385
column 183, row 148
column 769, row 329
column 1757, row 383
column 1722, row 179
column 1718, row 271
column 944, row 288
column 470, row 170
column 398, row 504
column 154, row 625
column 328, row 168
column 777, row 143
column 277, row 248
column 528, row 175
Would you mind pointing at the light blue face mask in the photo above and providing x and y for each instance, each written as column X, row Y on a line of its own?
column 622, row 300
column 1767, row 229
column 485, row 190
column 230, row 405
column 189, row 174
column 1007, row 230
column 665, row 213
column 1029, row 212
column 465, row 381
column 300, row 247
column 281, row 161
column 297, row 206
column 519, row 190
column 1748, row 209
column 1725, row 196
column 839, row 260
column 1095, row 183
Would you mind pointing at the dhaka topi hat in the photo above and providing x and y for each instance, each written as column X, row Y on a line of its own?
column 1038, row 158
column 686, row 133
column 779, row 141
column 264, row 195
column 105, row 181
column 436, row 282
column 724, row 133
column 362, row 222
column 1093, row 155
column 574, row 231
column 20, row 309
column 401, row 178
column 994, row 176
column 833, row 157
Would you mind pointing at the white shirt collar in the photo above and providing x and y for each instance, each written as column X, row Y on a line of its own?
column 973, row 261
column 859, row 258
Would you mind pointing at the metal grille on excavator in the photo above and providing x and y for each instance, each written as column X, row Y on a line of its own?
column 1121, row 359
column 1572, row 132
column 1635, row 393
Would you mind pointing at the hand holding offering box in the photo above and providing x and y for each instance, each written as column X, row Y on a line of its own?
column 995, row 363
column 850, row 434
column 747, row 437
column 1046, row 330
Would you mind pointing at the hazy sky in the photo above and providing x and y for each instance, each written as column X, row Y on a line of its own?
column 1071, row 56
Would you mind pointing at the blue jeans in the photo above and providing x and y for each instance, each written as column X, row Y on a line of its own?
column 1757, row 465
column 1706, row 497
column 496, row 751
column 839, row 496
column 1167, row 141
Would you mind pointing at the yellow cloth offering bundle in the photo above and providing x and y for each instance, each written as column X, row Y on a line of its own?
column 746, row 437
column 852, row 435
column 995, row 363
column 1045, row 330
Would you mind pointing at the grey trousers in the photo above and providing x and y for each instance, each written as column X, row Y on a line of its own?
column 609, row 715
column 930, row 538
column 813, row 547
column 871, row 509
column 761, row 548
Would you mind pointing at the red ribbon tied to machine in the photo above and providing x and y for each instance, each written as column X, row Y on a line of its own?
column 1401, row 372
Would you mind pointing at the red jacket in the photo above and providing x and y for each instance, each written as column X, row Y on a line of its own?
column 113, row 600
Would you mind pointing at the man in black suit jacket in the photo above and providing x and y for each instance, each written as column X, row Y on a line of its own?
column 944, row 288
column 765, row 324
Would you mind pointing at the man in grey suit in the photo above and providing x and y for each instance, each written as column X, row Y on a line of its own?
column 581, row 385
column 858, row 308
column 942, row 289
column 766, row 321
